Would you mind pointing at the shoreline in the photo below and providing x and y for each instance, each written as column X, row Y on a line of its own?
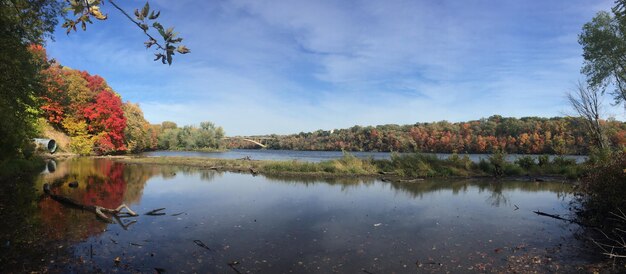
column 267, row 168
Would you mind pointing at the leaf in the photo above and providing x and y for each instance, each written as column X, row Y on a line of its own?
column 138, row 15
column 150, row 43
column 154, row 16
column 95, row 11
column 145, row 10
column 144, row 27
column 183, row 50
column 169, row 58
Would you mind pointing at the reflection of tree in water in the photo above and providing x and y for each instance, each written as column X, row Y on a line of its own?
column 100, row 182
column 346, row 183
column 498, row 190
column 26, row 246
column 497, row 198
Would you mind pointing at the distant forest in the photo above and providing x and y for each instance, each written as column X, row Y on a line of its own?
column 528, row 135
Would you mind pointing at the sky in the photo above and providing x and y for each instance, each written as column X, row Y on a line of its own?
column 261, row 67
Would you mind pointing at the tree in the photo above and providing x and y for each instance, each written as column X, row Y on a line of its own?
column 604, row 50
column 81, row 142
column 137, row 131
column 586, row 102
column 105, row 118
column 22, row 23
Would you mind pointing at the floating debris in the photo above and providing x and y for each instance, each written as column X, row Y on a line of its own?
column 155, row 212
column 201, row 244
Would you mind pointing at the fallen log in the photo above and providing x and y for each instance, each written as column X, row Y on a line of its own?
column 98, row 210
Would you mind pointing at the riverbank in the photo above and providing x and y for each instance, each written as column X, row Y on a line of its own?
column 402, row 168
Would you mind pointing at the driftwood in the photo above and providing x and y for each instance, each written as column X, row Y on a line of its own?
column 155, row 212
column 98, row 210
column 560, row 218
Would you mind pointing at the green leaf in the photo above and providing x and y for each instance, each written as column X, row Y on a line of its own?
column 158, row 26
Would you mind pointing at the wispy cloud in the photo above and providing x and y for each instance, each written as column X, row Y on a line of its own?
column 288, row 66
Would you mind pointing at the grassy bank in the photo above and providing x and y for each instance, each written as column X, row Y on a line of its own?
column 399, row 166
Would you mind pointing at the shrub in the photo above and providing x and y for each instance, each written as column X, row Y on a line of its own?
column 543, row 160
column 526, row 162
column 604, row 186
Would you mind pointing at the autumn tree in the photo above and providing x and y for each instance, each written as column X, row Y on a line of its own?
column 105, row 119
column 138, row 132
column 27, row 22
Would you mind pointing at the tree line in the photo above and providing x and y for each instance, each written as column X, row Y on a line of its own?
column 528, row 135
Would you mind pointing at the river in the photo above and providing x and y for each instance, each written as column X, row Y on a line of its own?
column 317, row 156
column 221, row 222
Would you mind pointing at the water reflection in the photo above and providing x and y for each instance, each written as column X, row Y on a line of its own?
column 276, row 224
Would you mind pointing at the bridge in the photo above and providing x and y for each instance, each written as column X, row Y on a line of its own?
column 252, row 139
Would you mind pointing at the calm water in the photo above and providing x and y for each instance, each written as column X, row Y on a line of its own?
column 274, row 225
column 316, row 156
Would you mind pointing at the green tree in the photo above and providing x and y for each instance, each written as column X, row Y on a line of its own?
column 604, row 50
column 22, row 23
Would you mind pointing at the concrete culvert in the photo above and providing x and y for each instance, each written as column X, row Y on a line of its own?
column 49, row 144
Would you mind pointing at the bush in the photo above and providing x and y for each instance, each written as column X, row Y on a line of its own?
column 562, row 161
column 526, row 162
column 543, row 160
column 604, row 186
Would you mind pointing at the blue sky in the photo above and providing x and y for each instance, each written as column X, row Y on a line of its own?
column 261, row 67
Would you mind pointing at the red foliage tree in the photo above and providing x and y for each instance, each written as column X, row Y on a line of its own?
column 54, row 99
column 106, row 120
column 95, row 83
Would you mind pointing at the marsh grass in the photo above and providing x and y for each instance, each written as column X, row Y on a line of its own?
column 347, row 164
column 401, row 165
column 426, row 165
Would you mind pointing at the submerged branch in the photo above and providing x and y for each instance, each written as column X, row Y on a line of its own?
column 98, row 210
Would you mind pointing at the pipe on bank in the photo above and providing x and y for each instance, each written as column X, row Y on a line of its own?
column 48, row 144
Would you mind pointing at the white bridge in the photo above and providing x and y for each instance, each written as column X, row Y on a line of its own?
column 252, row 139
